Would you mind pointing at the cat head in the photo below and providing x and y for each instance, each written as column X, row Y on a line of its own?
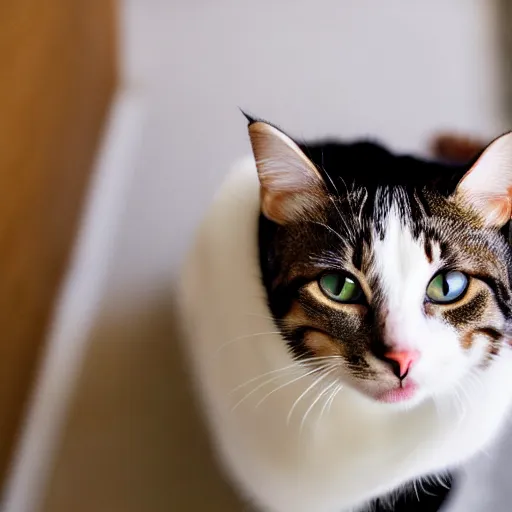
column 390, row 271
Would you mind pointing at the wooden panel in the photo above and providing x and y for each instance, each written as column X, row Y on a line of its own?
column 57, row 75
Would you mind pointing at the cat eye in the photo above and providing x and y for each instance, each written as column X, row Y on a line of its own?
column 341, row 288
column 447, row 287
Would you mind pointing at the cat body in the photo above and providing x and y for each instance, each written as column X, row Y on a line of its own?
column 297, row 435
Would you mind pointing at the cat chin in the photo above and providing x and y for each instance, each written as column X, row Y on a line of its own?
column 404, row 396
column 399, row 394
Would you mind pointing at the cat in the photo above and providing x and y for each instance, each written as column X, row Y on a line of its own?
column 348, row 318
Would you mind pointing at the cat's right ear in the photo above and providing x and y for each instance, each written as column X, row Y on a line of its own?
column 291, row 185
column 487, row 187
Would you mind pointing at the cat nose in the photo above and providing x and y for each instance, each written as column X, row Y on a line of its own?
column 401, row 361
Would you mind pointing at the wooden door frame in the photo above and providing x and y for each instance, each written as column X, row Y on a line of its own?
column 58, row 75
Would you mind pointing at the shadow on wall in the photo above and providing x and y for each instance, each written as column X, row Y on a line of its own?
column 134, row 441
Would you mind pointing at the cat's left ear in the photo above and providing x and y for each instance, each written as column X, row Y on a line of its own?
column 291, row 186
column 487, row 187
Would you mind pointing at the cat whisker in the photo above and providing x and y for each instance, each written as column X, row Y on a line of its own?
column 322, row 358
column 465, row 394
column 348, row 196
column 462, row 409
column 315, row 401
column 348, row 228
column 257, row 388
column 317, row 370
column 326, row 404
column 244, row 337
column 337, row 192
column 476, row 379
column 305, row 392
column 263, row 384
column 363, row 202
column 290, row 367
column 333, row 397
column 297, row 365
column 329, row 229
column 331, row 261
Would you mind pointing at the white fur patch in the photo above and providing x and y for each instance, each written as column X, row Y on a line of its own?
column 404, row 272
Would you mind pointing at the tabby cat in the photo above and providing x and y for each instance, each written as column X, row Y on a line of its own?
column 348, row 316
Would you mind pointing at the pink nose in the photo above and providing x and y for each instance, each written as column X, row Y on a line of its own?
column 402, row 361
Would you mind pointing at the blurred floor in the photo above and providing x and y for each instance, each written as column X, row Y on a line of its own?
column 134, row 443
column 400, row 71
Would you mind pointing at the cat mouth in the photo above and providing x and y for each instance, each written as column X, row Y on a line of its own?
column 400, row 393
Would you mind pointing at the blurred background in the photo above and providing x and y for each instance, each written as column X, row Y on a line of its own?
column 109, row 423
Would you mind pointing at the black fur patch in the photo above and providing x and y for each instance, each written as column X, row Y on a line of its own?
column 428, row 496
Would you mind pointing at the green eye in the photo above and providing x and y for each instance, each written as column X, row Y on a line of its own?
column 340, row 288
column 447, row 287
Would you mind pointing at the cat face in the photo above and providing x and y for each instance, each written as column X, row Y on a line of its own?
column 391, row 272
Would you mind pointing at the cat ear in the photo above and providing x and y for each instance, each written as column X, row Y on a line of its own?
column 291, row 185
column 487, row 187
